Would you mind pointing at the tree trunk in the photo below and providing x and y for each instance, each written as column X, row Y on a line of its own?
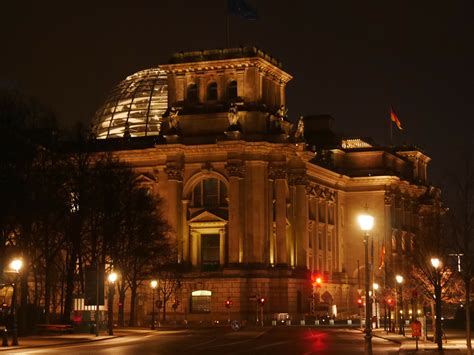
column 47, row 294
column 164, row 309
column 66, row 317
column 467, row 309
column 22, row 320
column 133, row 303
column 121, row 308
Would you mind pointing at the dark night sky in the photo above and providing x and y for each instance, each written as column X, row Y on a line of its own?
column 352, row 59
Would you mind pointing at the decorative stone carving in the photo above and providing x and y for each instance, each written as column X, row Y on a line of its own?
column 235, row 168
column 388, row 198
column 297, row 177
column 277, row 171
column 174, row 171
column 206, row 168
column 282, row 113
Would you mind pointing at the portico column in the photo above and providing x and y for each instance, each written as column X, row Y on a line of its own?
column 279, row 175
column 175, row 183
column 300, row 217
column 236, row 171
column 195, row 243
column 222, row 247
column 185, row 229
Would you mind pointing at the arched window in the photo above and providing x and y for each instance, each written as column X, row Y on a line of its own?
column 193, row 93
column 232, row 90
column 212, row 91
column 209, row 193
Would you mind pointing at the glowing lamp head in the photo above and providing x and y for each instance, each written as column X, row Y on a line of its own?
column 112, row 277
column 154, row 284
column 376, row 286
column 366, row 222
column 399, row 278
column 16, row 265
column 435, row 262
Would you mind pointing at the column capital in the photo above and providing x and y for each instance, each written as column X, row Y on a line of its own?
column 298, row 177
column 235, row 168
column 277, row 171
column 174, row 171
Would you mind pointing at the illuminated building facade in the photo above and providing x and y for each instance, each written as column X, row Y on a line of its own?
column 257, row 204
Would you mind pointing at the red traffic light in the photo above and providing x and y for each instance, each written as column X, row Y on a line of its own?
column 359, row 302
column 228, row 303
column 389, row 301
column 317, row 280
column 261, row 301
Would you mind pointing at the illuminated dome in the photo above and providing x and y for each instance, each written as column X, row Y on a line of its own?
column 134, row 107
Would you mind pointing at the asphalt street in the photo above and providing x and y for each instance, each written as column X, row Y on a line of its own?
column 274, row 341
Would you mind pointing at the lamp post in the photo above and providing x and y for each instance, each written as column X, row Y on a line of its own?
column 366, row 223
column 436, row 263
column 401, row 328
column 15, row 265
column 111, row 278
column 153, row 285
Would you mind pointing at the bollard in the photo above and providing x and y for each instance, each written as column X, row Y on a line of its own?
column 4, row 338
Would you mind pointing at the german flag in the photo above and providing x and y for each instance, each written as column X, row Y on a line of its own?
column 394, row 118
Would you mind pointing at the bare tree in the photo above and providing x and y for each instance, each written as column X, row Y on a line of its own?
column 462, row 227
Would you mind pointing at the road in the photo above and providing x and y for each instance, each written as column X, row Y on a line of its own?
column 274, row 341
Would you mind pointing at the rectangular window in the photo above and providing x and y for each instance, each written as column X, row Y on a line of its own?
column 320, row 240
column 329, row 241
column 331, row 214
column 210, row 249
column 322, row 212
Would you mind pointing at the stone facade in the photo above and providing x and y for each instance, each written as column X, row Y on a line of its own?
column 254, row 209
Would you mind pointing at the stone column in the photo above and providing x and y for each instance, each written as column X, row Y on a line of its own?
column 185, row 229
column 235, row 171
column 298, row 179
column 278, row 173
column 175, row 190
column 222, row 247
column 195, row 243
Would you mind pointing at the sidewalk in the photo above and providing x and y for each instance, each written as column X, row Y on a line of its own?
column 408, row 344
column 36, row 341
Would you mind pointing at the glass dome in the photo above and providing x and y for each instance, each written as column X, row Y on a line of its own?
column 134, row 107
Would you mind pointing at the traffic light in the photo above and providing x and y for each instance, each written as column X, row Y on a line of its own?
column 228, row 303
column 389, row 302
column 359, row 302
column 261, row 301
column 317, row 280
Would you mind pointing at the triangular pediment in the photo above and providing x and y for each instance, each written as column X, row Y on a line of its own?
column 206, row 216
column 145, row 179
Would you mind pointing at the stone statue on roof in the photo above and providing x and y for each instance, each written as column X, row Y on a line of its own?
column 300, row 129
column 282, row 113
column 174, row 119
column 233, row 115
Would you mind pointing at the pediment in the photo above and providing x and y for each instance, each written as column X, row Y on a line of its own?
column 206, row 216
column 145, row 179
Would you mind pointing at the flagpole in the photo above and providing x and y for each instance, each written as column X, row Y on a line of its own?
column 391, row 133
column 227, row 30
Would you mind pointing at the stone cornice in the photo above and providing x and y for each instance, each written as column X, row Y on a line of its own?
column 237, row 63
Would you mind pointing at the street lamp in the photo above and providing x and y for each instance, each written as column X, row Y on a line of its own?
column 401, row 328
column 366, row 222
column 153, row 285
column 111, row 278
column 15, row 265
column 436, row 263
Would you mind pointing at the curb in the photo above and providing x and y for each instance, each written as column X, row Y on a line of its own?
column 10, row 348
column 388, row 339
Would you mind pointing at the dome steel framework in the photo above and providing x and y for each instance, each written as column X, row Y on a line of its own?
column 134, row 107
